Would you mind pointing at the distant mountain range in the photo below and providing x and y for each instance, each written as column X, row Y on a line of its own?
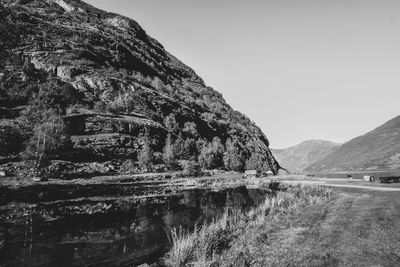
column 376, row 150
column 299, row 157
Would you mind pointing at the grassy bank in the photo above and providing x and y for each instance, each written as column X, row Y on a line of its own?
column 237, row 238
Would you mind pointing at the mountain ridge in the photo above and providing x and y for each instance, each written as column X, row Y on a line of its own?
column 296, row 158
column 115, row 87
column 377, row 149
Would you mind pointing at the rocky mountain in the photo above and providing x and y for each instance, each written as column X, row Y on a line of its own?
column 85, row 87
column 376, row 150
column 298, row 157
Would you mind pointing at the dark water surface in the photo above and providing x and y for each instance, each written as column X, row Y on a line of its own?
column 127, row 234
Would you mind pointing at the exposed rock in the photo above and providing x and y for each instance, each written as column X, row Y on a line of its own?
column 64, row 5
column 125, row 84
column 66, row 73
column 106, row 146
column 118, row 22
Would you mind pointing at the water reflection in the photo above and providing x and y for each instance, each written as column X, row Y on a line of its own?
column 131, row 235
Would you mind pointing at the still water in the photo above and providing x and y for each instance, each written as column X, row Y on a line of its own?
column 129, row 235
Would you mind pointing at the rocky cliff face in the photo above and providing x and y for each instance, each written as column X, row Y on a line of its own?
column 111, row 83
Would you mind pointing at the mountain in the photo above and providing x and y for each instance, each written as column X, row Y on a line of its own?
column 95, row 84
column 298, row 157
column 376, row 150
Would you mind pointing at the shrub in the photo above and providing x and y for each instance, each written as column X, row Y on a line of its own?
column 189, row 150
column 178, row 146
column 229, row 240
column 233, row 159
column 123, row 103
column 171, row 124
column 145, row 156
column 69, row 95
column 191, row 168
column 28, row 68
column 12, row 137
column 190, row 129
column 169, row 156
column 211, row 155
column 129, row 166
column 256, row 162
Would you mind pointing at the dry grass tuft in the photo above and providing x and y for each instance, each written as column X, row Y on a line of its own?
column 229, row 239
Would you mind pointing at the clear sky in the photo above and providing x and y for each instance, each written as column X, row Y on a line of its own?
column 300, row 69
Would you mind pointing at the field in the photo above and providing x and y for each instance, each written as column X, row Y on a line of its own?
column 357, row 226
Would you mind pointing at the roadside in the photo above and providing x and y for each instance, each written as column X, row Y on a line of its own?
column 340, row 182
column 359, row 228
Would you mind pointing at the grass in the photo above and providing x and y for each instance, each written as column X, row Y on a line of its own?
column 233, row 238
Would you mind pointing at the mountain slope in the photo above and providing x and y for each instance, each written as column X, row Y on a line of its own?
column 114, row 86
column 377, row 149
column 298, row 157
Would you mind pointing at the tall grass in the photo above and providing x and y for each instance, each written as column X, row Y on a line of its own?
column 209, row 244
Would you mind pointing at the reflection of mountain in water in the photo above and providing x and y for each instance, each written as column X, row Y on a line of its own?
column 132, row 234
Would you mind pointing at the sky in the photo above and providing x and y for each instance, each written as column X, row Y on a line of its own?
column 300, row 69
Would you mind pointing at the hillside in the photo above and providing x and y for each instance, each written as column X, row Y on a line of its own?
column 86, row 88
column 298, row 157
column 376, row 150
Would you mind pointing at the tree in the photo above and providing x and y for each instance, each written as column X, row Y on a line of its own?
column 69, row 95
column 191, row 168
column 255, row 162
column 190, row 129
column 218, row 152
column 233, row 158
column 145, row 156
column 123, row 103
column 189, row 149
column 178, row 146
column 158, row 84
column 13, row 134
column 124, row 74
column 205, row 159
column 171, row 124
column 211, row 155
column 48, row 141
column 28, row 68
column 168, row 153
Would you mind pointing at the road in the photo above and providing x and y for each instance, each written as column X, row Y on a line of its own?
column 358, row 228
column 340, row 182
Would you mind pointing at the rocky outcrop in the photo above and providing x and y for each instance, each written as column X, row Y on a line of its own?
column 113, row 83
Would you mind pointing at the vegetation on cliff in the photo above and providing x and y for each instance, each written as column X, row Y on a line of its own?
column 118, row 94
